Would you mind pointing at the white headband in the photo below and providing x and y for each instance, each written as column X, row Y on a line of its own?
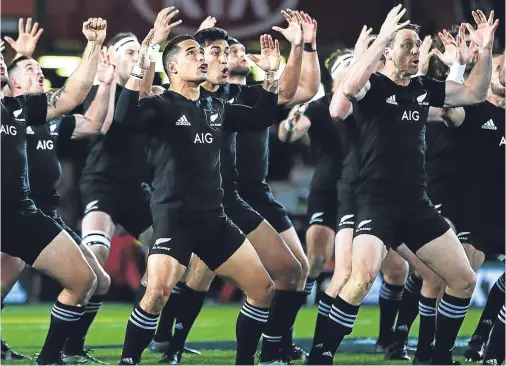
column 122, row 42
column 339, row 64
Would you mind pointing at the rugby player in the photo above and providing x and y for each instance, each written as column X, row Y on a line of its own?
column 392, row 203
column 52, row 250
column 279, row 261
column 252, row 166
column 187, row 189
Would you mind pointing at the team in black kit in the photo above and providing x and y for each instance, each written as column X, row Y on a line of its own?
column 408, row 169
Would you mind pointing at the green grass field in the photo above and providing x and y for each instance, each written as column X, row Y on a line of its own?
column 24, row 327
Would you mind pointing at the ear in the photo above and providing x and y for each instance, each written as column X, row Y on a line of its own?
column 14, row 83
column 172, row 67
column 387, row 52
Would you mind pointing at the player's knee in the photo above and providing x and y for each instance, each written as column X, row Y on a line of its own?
column 304, row 263
column 467, row 283
column 103, row 283
column 316, row 264
column 262, row 294
column 396, row 274
column 363, row 279
column 156, row 297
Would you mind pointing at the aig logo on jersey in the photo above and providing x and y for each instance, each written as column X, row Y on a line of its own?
column 8, row 130
column 410, row 116
column 45, row 145
column 203, row 138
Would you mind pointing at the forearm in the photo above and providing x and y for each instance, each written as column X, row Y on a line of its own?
column 289, row 80
column 360, row 72
column 97, row 111
column 79, row 83
column 340, row 106
column 147, row 83
column 310, row 78
column 479, row 79
column 110, row 109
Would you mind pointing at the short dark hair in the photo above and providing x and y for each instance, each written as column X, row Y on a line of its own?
column 207, row 36
column 172, row 49
column 414, row 27
column 119, row 37
column 14, row 64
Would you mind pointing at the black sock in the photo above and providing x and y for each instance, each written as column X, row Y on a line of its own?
column 139, row 294
column 408, row 310
column 390, row 298
column 323, row 315
column 185, row 315
column 288, row 335
column 451, row 313
column 427, row 331
column 139, row 333
column 75, row 342
column 342, row 316
column 63, row 322
column 168, row 315
column 284, row 308
column 249, row 327
column 494, row 303
column 309, row 286
column 494, row 355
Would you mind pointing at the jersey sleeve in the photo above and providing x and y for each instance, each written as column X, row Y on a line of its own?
column 65, row 127
column 436, row 91
column 243, row 118
column 134, row 112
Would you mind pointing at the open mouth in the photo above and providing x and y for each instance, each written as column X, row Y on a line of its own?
column 203, row 68
column 225, row 72
column 41, row 81
column 416, row 62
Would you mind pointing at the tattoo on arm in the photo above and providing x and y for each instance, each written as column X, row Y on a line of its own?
column 54, row 95
column 272, row 86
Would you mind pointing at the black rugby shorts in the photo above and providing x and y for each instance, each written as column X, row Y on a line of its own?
column 260, row 197
column 241, row 214
column 413, row 223
column 128, row 206
column 210, row 235
column 26, row 231
column 322, row 208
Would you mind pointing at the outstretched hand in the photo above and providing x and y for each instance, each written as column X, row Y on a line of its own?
column 293, row 33
column 164, row 25
column 269, row 59
column 363, row 42
column 483, row 35
column 28, row 37
column 391, row 24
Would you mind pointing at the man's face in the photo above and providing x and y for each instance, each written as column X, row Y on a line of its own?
column 217, row 57
column 405, row 51
column 3, row 69
column 238, row 62
column 190, row 63
column 126, row 57
column 28, row 77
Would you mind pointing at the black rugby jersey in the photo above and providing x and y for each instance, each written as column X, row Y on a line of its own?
column 44, row 168
column 119, row 157
column 326, row 144
column 229, row 175
column 443, row 160
column 252, row 147
column 481, row 141
column 17, row 114
column 185, row 138
column 391, row 120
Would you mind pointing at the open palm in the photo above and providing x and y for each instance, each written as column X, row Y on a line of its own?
column 483, row 36
column 270, row 57
column 28, row 37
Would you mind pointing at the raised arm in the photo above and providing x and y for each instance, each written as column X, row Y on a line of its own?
column 355, row 84
column 93, row 120
column 289, row 80
column 295, row 126
column 310, row 76
column 77, row 86
column 475, row 88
